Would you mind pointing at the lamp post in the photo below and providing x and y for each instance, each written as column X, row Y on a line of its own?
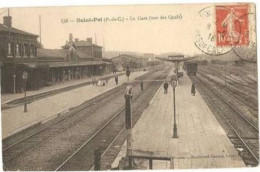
column 14, row 82
column 173, row 83
column 177, row 71
column 25, row 77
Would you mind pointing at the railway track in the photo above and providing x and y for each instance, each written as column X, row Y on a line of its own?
column 32, row 141
column 83, row 157
column 245, row 82
column 246, row 104
column 242, row 133
column 10, row 142
column 241, row 73
column 14, row 148
column 243, row 97
column 13, row 140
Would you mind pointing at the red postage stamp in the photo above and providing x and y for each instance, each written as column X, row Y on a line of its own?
column 232, row 25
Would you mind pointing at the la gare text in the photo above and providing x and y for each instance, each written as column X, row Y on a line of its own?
column 122, row 19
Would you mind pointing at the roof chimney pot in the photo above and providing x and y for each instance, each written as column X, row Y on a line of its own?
column 8, row 21
column 89, row 40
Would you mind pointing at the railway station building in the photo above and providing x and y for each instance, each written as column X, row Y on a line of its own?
column 20, row 51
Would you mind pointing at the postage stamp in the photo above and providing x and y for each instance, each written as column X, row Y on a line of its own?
column 232, row 25
column 205, row 35
column 222, row 28
column 248, row 52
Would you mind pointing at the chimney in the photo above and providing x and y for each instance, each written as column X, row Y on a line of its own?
column 76, row 39
column 70, row 37
column 8, row 21
column 89, row 40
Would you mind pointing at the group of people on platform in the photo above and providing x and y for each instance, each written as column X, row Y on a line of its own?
column 103, row 82
column 166, row 85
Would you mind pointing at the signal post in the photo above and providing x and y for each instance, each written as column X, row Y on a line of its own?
column 128, row 124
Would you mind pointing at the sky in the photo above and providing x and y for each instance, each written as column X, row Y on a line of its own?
column 144, row 36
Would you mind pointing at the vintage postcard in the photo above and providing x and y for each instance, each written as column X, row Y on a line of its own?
column 129, row 87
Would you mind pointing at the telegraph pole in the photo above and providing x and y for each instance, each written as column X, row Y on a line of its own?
column 9, row 37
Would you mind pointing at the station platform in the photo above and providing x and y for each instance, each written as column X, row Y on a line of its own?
column 15, row 120
column 6, row 97
column 201, row 142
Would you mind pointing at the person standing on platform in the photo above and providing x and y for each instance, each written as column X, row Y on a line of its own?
column 116, row 79
column 193, row 89
column 142, row 85
column 165, row 86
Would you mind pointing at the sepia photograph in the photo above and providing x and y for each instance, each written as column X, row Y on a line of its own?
column 129, row 87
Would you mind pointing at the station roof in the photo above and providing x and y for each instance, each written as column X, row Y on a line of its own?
column 4, row 28
column 58, row 53
column 175, row 58
column 80, row 43
column 83, row 55
column 45, row 64
column 124, row 55
column 83, row 43
column 52, row 52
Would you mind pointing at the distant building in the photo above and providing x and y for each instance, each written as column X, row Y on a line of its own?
column 124, row 60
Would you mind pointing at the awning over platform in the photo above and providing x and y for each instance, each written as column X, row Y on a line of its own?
column 67, row 64
column 33, row 65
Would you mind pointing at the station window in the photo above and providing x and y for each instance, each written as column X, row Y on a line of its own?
column 29, row 50
column 26, row 50
column 95, row 54
column 9, row 49
column 13, row 49
column 32, row 50
column 22, row 50
column 17, row 50
column 35, row 50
